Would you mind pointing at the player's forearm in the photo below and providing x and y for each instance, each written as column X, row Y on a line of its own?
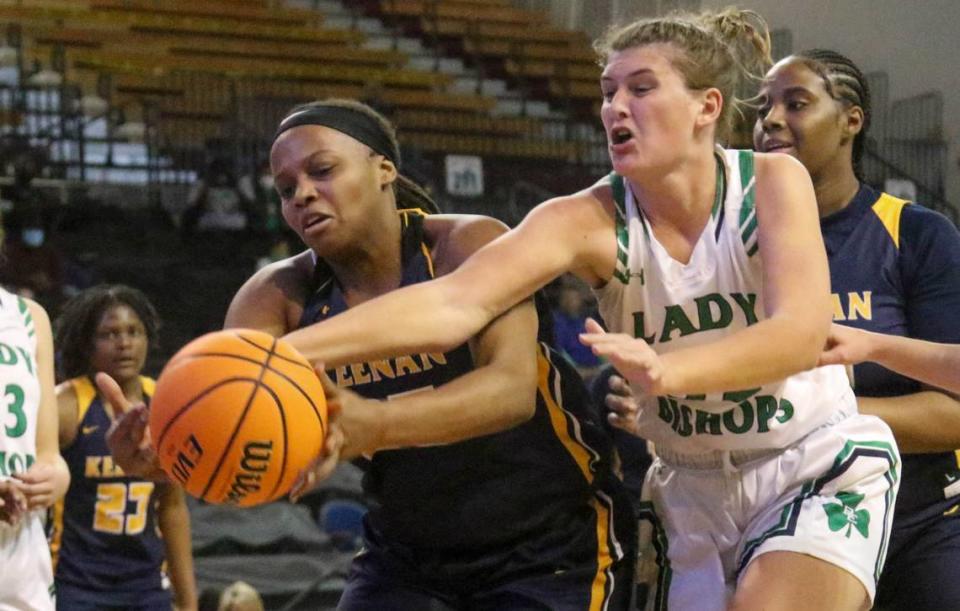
column 420, row 318
column 174, row 521
column 484, row 401
column 936, row 364
column 922, row 422
column 61, row 479
column 765, row 352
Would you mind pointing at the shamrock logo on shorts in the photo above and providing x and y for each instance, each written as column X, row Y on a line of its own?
column 847, row 515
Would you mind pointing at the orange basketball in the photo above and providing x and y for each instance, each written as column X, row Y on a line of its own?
column 236, row 415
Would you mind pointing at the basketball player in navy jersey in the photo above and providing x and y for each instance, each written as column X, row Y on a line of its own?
column 493, row 487
column 894, row 269
column 113, row 532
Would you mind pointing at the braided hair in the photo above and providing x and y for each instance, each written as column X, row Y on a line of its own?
column 845, row 83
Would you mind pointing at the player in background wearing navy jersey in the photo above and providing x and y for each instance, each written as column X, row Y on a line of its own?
column 894, row 269
column 116, row 537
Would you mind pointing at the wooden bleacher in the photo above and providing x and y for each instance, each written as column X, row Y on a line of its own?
column 191, row 61
column 525, row 50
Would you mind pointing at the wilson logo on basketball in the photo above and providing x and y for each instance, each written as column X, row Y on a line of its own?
column 187, row 458
column 253, row 464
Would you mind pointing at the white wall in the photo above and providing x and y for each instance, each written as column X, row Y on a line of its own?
column 917, row 42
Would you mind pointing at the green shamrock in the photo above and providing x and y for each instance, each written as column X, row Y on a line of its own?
column 847, row 514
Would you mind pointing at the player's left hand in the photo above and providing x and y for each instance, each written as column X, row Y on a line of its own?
column 13, row 504
column 624, row 408
column 633, row 358
column 129, row 435
column 38, row 485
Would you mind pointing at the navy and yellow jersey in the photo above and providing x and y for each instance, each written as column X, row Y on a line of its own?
column 484, row 497
column 105, row 541
column 895, row 269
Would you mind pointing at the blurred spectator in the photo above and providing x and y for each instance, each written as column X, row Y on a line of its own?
column 24, row 163
column 572, row 307
column 216, row 203
column 279, row 249
column 32, row 267
column 238, row 596
column 257, row 188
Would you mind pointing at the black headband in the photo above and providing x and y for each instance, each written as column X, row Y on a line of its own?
column 357, row 124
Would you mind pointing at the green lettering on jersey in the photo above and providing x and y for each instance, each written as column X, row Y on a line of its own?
column 26, row 359
column 675, row 319
column 729, row 418
column 766, row 410
column 786, row 411
column 638, row 328
column 736, row 396
column 708, row 422
column 7, row 355
column 706, row 313
column 748, row 304
column 13, row 396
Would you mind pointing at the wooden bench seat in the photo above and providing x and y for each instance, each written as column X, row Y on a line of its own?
column 578, row 71
column 218, row 10
column 494, row 146
column 502, row 31
column 537, row 51
column 473, row 11
column 108, row 59
column 459, row 122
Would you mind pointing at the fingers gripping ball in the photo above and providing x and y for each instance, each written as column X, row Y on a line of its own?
column 236, row 415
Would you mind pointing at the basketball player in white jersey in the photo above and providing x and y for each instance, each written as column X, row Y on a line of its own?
column 32, row 473
column 770, row 490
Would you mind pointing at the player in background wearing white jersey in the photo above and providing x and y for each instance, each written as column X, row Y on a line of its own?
column 798, row 520
column 32, row 474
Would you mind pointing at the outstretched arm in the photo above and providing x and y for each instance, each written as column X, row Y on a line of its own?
column 568, row 234
column 500, row 392
column 174, row 521
column 796, row 297
column 929, row 362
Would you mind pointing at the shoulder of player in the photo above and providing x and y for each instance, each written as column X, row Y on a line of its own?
column 921, row 227
column 39, row 315
column 777, row 169
column 780, row 180
column 68, row 409
column 286, row 275
column 454, row 237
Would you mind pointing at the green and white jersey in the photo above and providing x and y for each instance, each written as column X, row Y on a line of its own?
column 19, row 386
column 718, row 292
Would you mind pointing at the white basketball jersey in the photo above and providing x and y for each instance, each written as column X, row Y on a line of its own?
column 26, row 578
column 718, row 292
column 19, row 386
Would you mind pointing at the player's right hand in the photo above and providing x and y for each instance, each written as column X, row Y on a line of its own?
column 13, row 503
column 624, row 408
column 355, row 430
column 129, row 437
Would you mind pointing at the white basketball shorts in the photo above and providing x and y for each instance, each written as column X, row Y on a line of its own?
column 704, row 518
